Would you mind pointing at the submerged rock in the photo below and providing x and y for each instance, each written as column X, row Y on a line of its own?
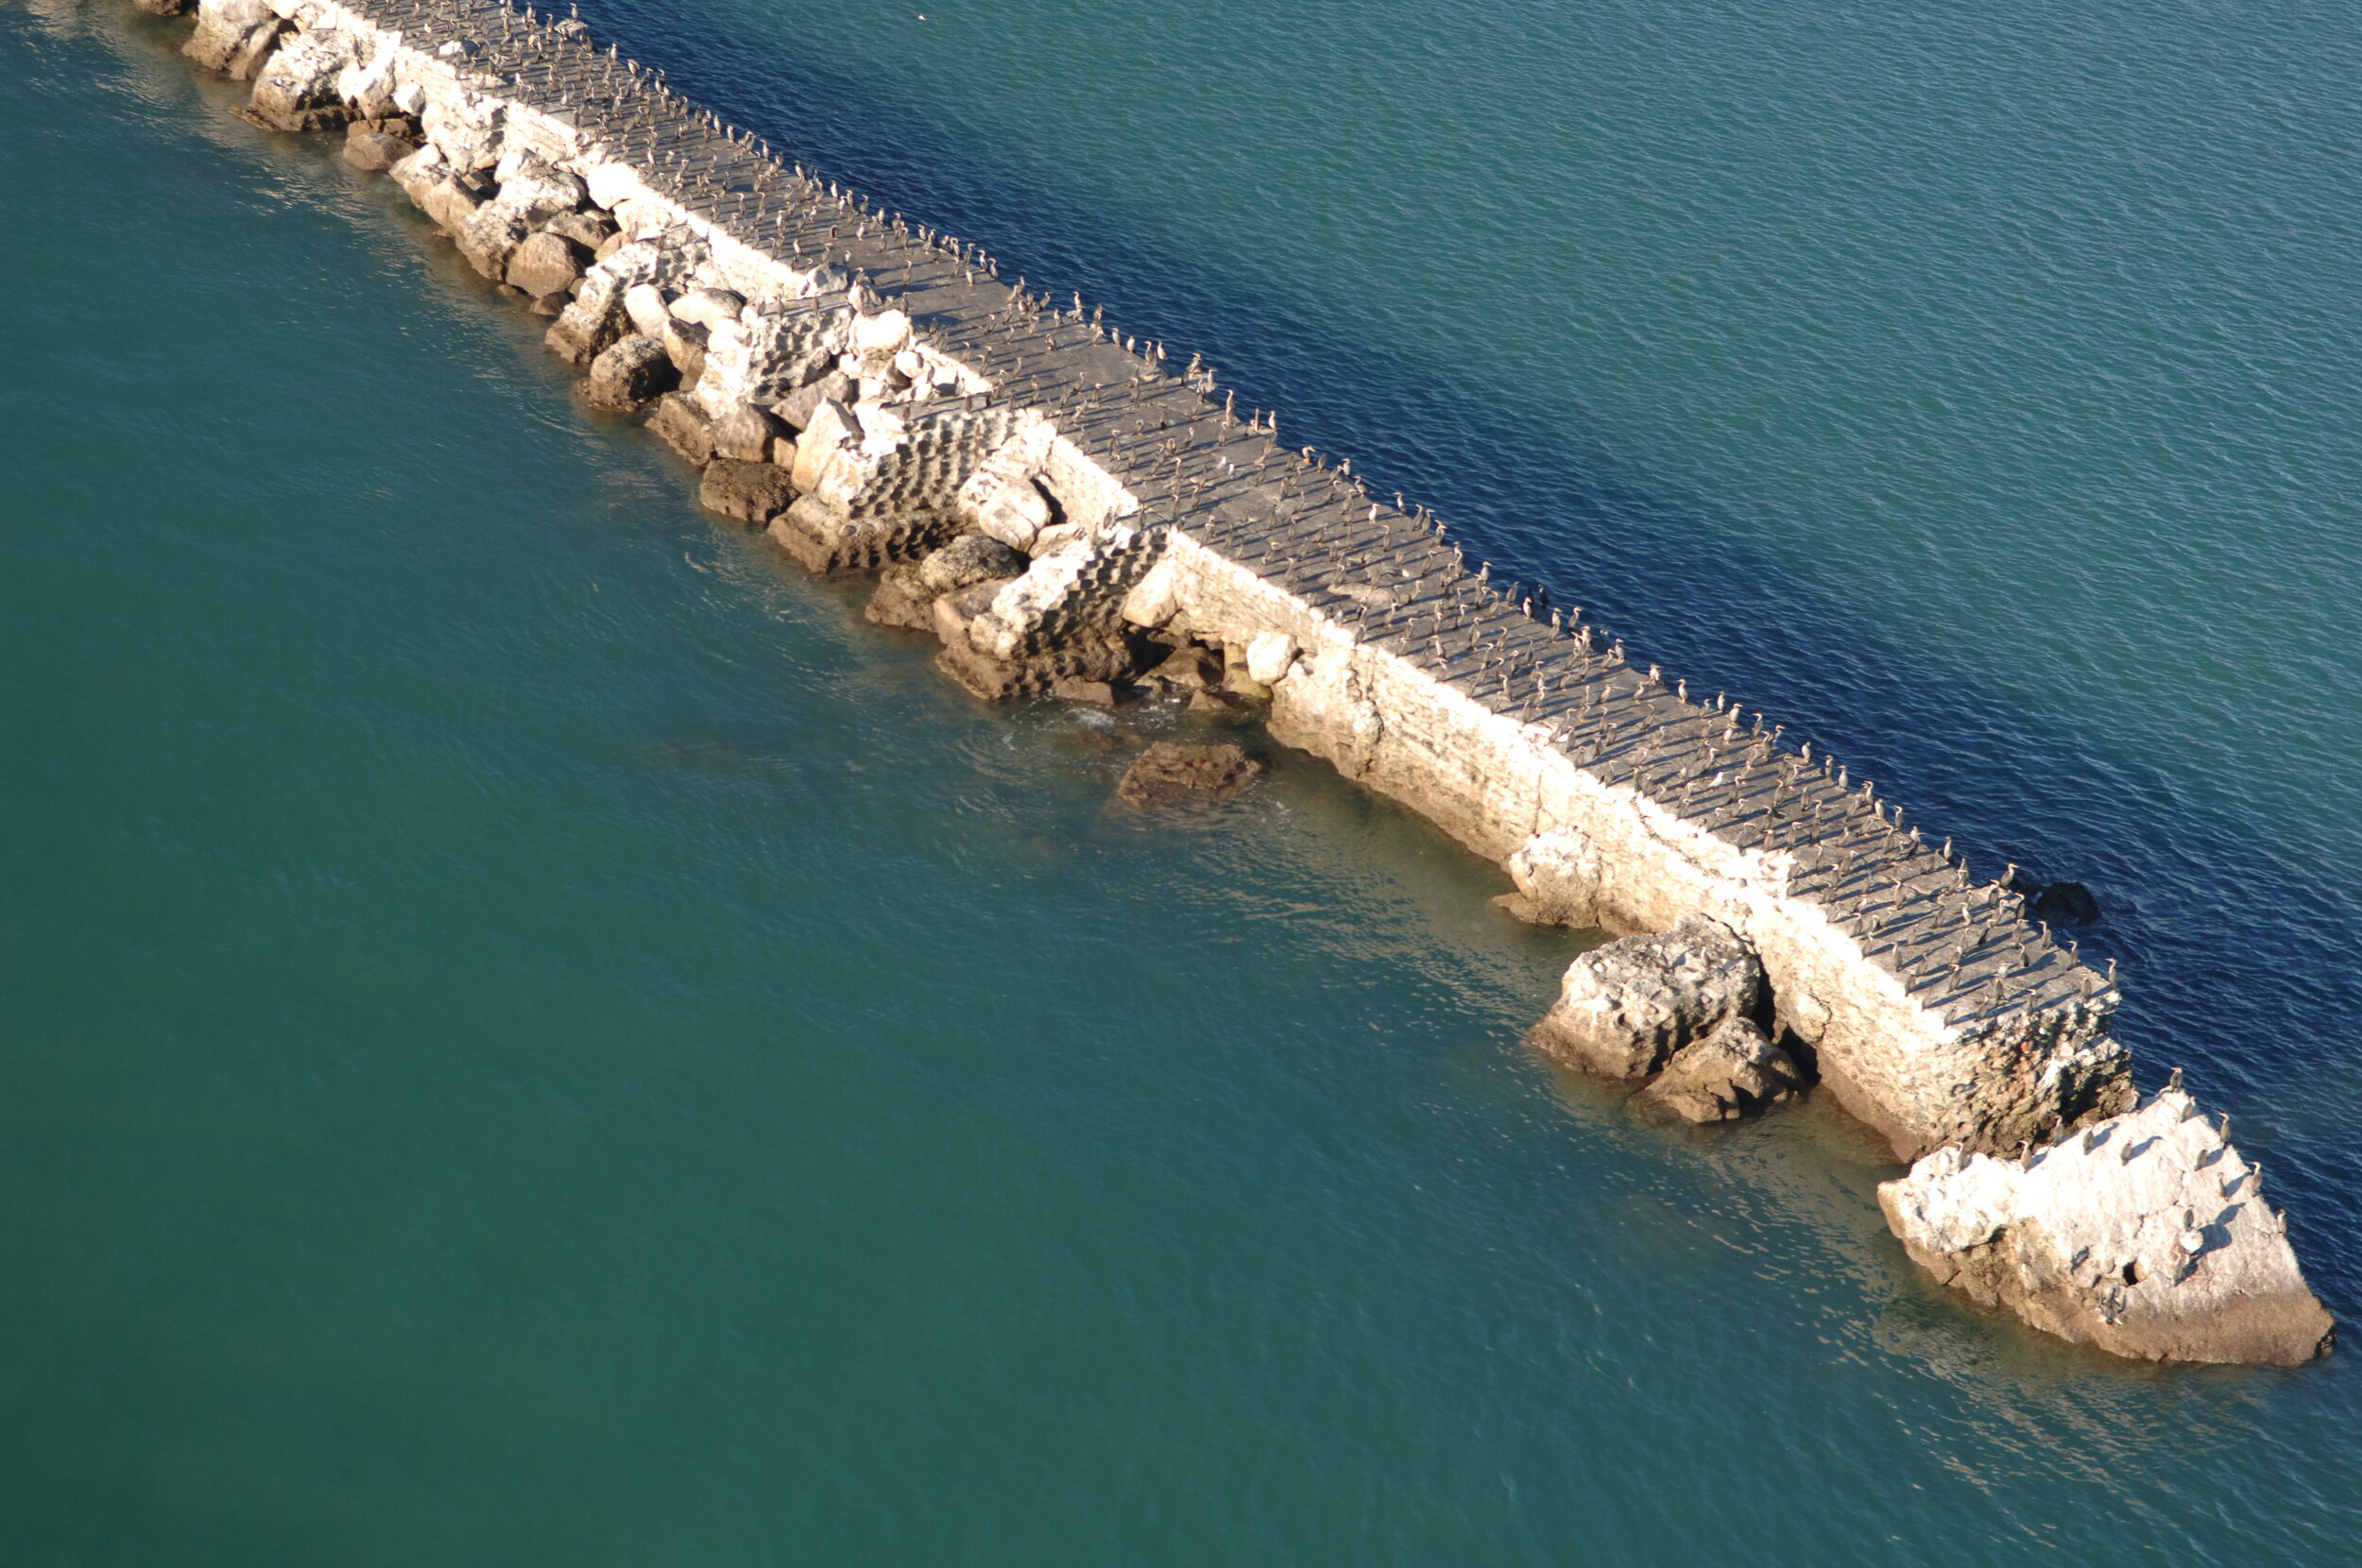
column 1170, row 774
column 2145, row 1234
column 1732, row 1071
column 1624, row 1009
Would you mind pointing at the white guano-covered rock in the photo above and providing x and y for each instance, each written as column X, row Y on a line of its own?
column 2145, row 1234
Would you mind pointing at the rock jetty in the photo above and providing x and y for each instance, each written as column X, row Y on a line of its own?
column 1072, row 515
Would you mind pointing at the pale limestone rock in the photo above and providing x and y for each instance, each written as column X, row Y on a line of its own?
column 488, row 236
column 419, row 173
column 234, row 37
column 1558, row 874
column 610, row 184
column 1268, row 656
column 1625, row 1008
column 297, row 89
column 746, row 433
column 2145, row 1234
column 1153, row 602
column 645, row 304
column 882, row 335
column 708, row 307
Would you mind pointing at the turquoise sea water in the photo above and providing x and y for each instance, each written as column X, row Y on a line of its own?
column 528, row 1034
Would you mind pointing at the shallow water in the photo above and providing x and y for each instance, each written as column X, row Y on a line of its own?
column 528, row 1033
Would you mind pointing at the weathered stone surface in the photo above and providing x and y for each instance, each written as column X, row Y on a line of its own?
column 594, row 322
column 969, row 560
column 376, row 151
column 488, row 236
column 1189, row 668
column 956, row 611
column 744, row 431
column 797, row 408
column 1734, row 1070
column 2145, row 1234
column 587, row 230
column 902, row 600
column 708, row 307
column 536, row 191
column 629, row 374
column 1170, row 774
column 1077, row 689
column 234, row 37
column 544, row 265
column 1558, row 876
column 166, row 7
column 296, row 90
column 753, row 493
column 686, row 342
column 1624, row 1009
column 681, row 424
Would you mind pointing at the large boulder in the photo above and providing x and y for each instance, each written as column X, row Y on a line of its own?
column 1624, row 1009
column 681, row 424
column 234, row 37
column 753, row 493
column 376, row 151
column 628, row 375
column 746, row 433
column 594, row 322
column 544, row 265
column 2145, row 1234
column 1171, row 773
column 488, row 236
column 1734, row 1070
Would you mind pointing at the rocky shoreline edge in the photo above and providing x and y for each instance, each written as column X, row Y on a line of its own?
column 1074, row 519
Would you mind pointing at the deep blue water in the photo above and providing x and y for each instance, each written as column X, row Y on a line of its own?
column 528, row 1033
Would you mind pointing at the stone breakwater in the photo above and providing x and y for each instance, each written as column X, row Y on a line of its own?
column 1075, row 517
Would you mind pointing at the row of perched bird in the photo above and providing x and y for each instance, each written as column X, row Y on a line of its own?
column 1307, row 524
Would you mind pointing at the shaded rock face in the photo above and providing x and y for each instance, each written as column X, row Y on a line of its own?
column 376, row 151
column 1734, row 1070
column 969, row 560
column 681, row 424
column 2145, row 1234
column 627, row 375
column 1624, row 1009
column 753, row 493
column 1170, row 774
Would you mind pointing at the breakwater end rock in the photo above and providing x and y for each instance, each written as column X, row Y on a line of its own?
column 2146, row 1234
column 1170, row 773
column 1075, row 517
